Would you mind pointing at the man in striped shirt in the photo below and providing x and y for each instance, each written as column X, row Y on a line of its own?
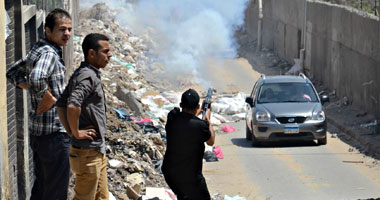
column 42, row 73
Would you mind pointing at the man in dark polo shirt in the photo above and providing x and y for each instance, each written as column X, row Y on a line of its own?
column 186, row 135
column 82, row 111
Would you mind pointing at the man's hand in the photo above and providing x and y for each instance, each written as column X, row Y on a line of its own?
column 87, row 134
column 23, row 85
column 48, row 100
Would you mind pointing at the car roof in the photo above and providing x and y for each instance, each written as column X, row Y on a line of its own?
column 284, row 79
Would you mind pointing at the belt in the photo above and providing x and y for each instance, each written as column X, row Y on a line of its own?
column 77, row 147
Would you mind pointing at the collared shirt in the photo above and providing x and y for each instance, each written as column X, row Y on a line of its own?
column 85, row 90
column 42, row 69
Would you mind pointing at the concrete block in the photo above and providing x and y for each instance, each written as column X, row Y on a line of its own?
column 130, row 99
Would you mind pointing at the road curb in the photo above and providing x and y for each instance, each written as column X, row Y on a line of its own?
column 372, row 147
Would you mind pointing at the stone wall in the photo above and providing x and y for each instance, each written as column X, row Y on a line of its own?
column 342, row 45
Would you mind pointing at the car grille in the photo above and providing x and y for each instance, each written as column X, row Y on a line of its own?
column 300, row 134
column 291, row 120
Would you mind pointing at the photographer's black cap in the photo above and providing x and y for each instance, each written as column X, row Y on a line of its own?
column 190, row 99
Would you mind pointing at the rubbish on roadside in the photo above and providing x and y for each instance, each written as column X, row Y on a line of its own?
column 210, row 156
column 111, row 197
column 149, row 128
column 237, row 197
column 218, row 152
column 228, row 128
column 143, row 120
column 369, row 124
column 229, row 105
column 159, row 193
column 237, row 117
column 296, row 67
column 122, row 113
column 208, row 147
column 216, row 196
column 131, row 193
column 214, row 121
column 220, row 118
column 119, row 62
column 219, row 107
column 130, row 99
column 115, row 163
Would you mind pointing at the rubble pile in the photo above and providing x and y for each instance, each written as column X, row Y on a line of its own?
column 134, row 150
column 137, row 108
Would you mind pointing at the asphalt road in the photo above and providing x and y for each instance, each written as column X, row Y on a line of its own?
column 290, row 170
column 296, row 170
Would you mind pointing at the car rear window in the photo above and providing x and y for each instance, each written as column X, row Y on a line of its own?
column 286, row 92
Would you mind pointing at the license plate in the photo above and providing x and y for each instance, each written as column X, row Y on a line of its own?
column 291, row 129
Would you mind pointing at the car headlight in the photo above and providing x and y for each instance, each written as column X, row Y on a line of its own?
column 262, row 116
column 319, row 116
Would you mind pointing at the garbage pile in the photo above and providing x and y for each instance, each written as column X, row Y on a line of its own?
column 137, row 109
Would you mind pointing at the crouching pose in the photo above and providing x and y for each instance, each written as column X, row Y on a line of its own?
column 186, row 135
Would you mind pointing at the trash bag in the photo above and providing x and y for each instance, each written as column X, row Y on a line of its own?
column 149, row 128
column 210, row 156
column 237, row 197
column 218, row 152
column 228, row 128
column 122, row 114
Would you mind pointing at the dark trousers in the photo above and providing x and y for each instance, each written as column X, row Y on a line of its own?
column 189, row 190
column 51, row 166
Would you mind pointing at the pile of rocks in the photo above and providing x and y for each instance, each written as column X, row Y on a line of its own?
column 137, row 108
column 134, row 155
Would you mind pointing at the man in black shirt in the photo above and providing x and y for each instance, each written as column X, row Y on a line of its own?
column 186, row 134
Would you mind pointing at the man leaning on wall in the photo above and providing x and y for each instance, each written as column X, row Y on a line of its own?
column 42, row 73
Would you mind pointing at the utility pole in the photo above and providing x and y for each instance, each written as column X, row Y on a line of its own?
column 303, row 49
column 260, row 25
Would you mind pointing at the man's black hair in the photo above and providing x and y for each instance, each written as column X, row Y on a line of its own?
column 91, row 41
column 190, row 99
column 51, row 18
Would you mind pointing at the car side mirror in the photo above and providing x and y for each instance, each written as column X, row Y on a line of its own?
column 249, row 100
column 324, row 99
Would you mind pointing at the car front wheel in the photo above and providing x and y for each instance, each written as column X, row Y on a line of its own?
column 255, row 142
column 248, row 133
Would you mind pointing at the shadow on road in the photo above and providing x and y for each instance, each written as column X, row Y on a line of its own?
column 242, row 142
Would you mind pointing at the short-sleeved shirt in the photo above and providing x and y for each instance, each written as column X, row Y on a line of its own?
column 186, row 135
column 85, row 90
column 42, row 69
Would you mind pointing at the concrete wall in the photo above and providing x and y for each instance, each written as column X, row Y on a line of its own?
column 343, row 53
column 16, row 160
column 4, row 170
column 342, row 45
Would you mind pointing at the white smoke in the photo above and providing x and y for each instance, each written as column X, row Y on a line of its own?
column 186, row 31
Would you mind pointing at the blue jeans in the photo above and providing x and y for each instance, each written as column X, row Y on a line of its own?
column 51, row 166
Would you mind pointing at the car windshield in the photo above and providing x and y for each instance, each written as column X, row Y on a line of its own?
column 286, row 92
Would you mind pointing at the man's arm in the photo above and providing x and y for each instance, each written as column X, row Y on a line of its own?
column 47, row 101
column 23, row 85
column 73, row 113
column 62, row 114
column 17, row 73
column 211, row 140
column 42, row 70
